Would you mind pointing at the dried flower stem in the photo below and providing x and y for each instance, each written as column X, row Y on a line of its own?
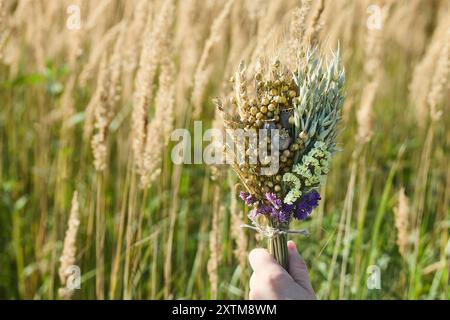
column 277, row 247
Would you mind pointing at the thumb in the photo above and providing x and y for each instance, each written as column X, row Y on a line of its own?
column 297, row 267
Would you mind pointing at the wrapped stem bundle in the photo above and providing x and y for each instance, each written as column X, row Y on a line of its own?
column 298, row 111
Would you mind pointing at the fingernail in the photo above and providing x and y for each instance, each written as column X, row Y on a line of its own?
column 291, row 245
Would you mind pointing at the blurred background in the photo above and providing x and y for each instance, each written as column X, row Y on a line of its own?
column 92, row 207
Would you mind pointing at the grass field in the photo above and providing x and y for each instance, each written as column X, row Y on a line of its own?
column 90, row 92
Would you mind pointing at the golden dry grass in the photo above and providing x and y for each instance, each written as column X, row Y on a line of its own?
column 90, row 110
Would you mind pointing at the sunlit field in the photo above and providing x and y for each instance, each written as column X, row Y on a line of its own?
column 91, row 92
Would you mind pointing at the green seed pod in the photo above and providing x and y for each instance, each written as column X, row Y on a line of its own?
column 253, row 110
column 303, row 135
column 291, row 120
column 281, row 99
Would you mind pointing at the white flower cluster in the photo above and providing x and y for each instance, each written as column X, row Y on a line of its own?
column 310, row 173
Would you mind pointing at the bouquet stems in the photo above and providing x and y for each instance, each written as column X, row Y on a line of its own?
column 277, row 247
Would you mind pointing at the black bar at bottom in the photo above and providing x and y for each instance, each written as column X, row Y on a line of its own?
column 190, row 309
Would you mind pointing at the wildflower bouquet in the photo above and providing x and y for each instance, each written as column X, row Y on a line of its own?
column 298, row 111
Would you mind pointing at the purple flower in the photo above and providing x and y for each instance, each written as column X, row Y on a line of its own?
column 252, row 214
column 274, row 207
column 281, row 215
column 261, row 209
column 279, row 211
column 288, row 208
column 306, row 204
column 272, row 198
column 264, row 209
column 247, row 197
column 286, row 212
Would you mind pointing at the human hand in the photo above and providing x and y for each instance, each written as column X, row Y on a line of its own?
column 270, row 281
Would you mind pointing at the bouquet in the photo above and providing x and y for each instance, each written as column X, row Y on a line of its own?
column 290, row 116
